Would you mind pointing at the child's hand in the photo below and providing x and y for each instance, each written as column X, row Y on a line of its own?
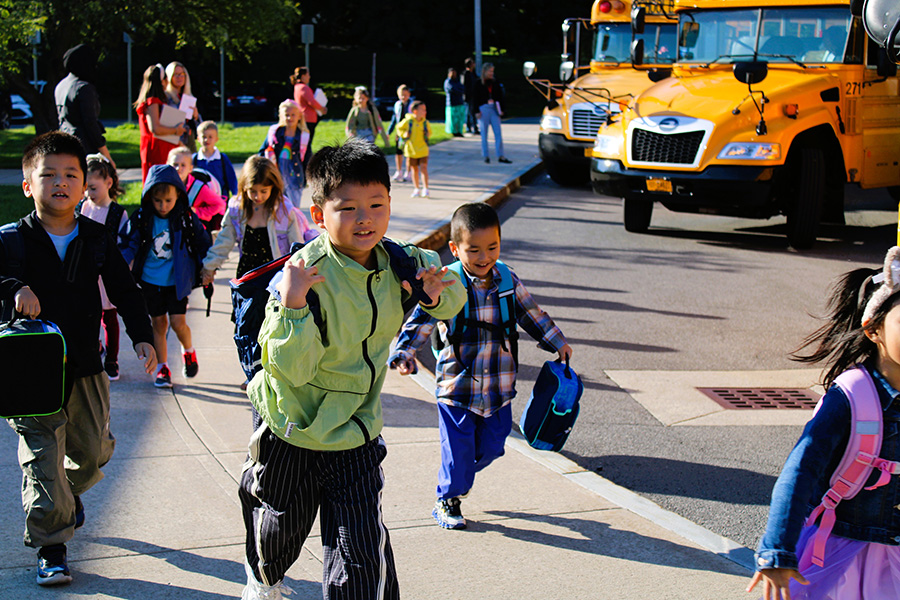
column 207, row 276
column 565, row 353
column 27, row 303
column 147, row 353
column 405, row 366
column 776, row 582
column 296, row 282
column 432, row 283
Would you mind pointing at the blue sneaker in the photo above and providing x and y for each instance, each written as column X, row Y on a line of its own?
column 52, row 568
column 79, row 512
column 448, row 515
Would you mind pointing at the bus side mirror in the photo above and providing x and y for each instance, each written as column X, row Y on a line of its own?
column 528, row 69
column 690, row 31
column 566, row 70
column 637, row 52
column 638, row 16
column 751, row 71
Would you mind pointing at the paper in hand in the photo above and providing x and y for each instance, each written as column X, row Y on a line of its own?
column 187, row 105
column 169, row 116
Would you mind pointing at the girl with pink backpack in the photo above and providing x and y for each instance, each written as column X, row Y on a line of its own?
column 834, row 524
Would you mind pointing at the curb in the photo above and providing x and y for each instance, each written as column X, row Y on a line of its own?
column 440, row 233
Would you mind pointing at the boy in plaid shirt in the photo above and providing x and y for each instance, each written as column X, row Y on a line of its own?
column 476, row 376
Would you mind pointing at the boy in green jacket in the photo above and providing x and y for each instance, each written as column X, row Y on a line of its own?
column 317, row 416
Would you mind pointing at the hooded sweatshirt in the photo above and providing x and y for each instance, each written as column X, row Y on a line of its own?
column 77, row 102
column 190, row 240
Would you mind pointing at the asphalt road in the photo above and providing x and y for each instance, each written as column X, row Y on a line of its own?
column 695, row 293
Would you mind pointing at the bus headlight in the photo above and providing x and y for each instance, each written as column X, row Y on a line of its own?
column 608, row 145
column 551, row 122
column 750, row 151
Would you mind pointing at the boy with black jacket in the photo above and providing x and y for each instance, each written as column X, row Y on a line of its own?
column 55, row 278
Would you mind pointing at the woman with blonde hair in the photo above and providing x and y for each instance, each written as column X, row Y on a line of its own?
column 179, row 84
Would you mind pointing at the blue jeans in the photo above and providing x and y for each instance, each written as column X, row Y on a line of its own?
column 490, row 117
column 469, row 443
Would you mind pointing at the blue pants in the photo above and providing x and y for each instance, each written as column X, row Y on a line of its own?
column 469, row 443
column 490, row 118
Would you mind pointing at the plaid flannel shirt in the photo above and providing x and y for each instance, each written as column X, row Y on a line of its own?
column 486, row 381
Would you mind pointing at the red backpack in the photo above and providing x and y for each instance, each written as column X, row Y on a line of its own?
column 860, row 457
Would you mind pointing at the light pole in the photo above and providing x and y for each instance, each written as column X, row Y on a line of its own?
column 478, row 36
column 128, row 42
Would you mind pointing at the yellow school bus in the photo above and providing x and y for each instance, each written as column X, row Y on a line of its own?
column 772, row 106
column 591, row 92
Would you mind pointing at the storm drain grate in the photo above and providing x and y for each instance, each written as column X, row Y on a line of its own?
column 762, row 398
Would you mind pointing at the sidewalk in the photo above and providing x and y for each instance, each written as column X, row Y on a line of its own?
column 166, row 521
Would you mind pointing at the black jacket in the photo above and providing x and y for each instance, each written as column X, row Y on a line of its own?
column 493, row 91
column 68, row 290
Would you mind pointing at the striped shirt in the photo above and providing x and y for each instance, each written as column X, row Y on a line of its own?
column 486, row 379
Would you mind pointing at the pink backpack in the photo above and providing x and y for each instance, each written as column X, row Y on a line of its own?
column 860, row 457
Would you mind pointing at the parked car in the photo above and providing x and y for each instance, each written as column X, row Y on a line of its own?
column 386, row 94
column 249, row 103
column 20, row 111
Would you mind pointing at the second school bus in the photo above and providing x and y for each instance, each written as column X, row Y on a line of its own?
column 773, row 105
column 575, row 110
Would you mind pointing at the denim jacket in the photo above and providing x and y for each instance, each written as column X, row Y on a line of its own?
column 871, row 516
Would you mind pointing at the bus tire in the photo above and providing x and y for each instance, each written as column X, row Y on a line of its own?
column 637, row 213
column 567, row 175
column 808, row 195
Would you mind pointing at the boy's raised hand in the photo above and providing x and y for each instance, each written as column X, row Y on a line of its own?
column 27, row 303
column 296, row 282
column 147, row 353
column 433, row 283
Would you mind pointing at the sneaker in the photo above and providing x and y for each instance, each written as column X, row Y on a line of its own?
column 448, row 515
column 245, row 384
column 52, row 568
column 112, row 370
column 163, row 378
column 487, row 160
column 190, row 364
column 504, row 160
column 415, row 193
column 424, row 192
column 79, row 512
column 254, row 590
column 396, row 176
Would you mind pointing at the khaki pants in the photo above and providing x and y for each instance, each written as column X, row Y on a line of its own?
column 61, row 456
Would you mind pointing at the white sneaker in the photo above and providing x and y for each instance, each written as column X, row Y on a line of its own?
column 424, row 192
column 254, row 590
column 396, row 176
column 415, row 193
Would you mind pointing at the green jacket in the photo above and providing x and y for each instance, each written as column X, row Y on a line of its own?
column 321, row 394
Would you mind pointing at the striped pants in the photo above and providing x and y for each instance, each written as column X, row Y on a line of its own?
column 284, row 486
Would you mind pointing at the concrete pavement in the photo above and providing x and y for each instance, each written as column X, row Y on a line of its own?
column 166, row 521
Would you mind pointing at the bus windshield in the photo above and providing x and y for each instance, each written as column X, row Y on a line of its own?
column 808, row 34
column 612, row 43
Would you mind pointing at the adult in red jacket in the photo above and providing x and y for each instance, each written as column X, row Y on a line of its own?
column 303, row 95
column 151, row 99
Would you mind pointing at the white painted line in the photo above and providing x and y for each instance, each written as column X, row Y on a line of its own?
column 623, row 497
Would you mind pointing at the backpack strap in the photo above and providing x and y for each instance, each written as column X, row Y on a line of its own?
column 406, row 268
column 507, row 330
column 860, row 456
column 196, row 186
column 114, row 218
column 14, row 245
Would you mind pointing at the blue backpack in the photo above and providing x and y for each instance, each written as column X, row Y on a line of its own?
column 551, row 411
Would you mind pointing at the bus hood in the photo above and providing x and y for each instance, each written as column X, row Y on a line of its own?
column 619, row 84
column 715, row 94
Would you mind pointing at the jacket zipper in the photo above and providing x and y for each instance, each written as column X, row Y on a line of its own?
column 365, row 347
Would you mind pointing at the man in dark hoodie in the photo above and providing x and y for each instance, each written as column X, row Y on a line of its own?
column 77, row 102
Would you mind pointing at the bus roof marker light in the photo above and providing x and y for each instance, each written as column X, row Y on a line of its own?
column 605, row 6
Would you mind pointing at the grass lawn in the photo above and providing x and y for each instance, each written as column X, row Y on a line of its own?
column 123, row 141
column 238, row 143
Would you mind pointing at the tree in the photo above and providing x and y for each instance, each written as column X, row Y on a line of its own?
column 101, row 23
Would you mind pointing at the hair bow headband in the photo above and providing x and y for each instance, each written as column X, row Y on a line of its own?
column 890, row 283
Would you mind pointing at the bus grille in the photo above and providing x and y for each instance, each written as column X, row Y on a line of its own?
column 677, row 148
column 585, row 123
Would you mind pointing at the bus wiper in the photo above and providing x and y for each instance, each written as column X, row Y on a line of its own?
column 726, row 57
column 787, row 56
